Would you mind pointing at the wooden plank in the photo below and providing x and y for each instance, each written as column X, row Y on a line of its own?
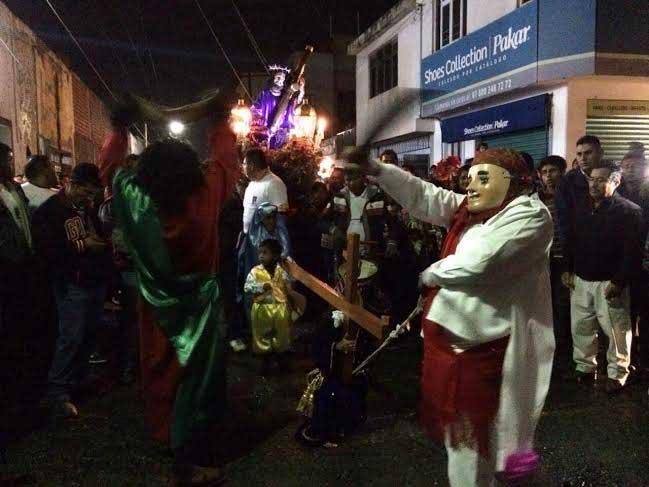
column 354, row 312
column 351, row 296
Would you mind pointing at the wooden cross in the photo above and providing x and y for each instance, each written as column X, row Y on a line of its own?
column 356, row 315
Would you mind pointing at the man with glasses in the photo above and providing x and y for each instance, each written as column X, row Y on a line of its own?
column 603, row 259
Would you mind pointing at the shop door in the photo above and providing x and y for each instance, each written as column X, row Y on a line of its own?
column 533, row 141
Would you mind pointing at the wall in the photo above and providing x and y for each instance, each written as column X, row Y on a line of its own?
column 481, row 12
column 591, row 87
column 380, row 110
column 7, row 105
column 37, row 95
column 25, row 92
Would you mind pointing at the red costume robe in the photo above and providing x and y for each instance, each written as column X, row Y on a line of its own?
column 191, row 239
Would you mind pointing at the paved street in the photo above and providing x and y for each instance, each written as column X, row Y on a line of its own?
column 586, row 437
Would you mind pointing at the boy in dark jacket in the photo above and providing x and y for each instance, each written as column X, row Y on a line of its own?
column 66, row 236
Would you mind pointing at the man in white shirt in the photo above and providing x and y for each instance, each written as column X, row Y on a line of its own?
column 488, row 336
column 41, row 179
column 264, row 186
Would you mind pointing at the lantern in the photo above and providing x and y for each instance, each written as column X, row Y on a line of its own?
column 306, row 120
column 240, row 119
column 322, row 126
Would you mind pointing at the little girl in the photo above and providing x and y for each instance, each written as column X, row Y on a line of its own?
column 270, row 287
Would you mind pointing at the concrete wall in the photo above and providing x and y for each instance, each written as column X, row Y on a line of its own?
column 591, row 87
column 481, row 12
column 36, row 93
column 381, row 110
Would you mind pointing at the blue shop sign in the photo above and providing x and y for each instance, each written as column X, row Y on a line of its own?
column 511, row 117
column 499, row 57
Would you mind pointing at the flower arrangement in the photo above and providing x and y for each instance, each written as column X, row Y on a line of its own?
column 445, row 171
column 297, row 164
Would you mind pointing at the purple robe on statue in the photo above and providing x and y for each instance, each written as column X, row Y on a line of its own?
column 265, row 108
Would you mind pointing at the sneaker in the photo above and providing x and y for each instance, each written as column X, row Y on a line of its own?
column 238, row 345
column 95, row 359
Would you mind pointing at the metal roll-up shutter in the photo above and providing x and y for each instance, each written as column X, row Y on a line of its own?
column 616, row 133
column 533, row 141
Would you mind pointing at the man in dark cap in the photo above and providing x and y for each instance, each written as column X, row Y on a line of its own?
column 65, row 235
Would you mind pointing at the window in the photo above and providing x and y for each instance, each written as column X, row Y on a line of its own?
column 384, row 69
column 6, row 136
column 451, row 22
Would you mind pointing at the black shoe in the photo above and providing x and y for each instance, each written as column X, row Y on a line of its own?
column 585, row 378
column 613, row 386
column 127, row 377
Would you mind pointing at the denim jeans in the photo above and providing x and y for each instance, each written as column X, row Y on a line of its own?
column 80, row 310
column 127, row 337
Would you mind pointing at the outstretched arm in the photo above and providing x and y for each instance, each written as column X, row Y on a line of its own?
column 224, row 169
column 113, row 154
column 423, row 200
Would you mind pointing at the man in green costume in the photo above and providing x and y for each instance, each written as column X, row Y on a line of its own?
column 168, row 209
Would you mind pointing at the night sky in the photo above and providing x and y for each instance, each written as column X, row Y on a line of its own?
column 163, row 49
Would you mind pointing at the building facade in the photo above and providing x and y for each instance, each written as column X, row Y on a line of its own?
column 44, row 107
column 533, row 75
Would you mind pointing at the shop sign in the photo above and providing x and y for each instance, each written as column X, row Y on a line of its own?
column 498, row 58
column 511, row 117
column 613, row 108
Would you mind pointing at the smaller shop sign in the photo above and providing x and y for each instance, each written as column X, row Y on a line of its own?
column 616, row 108
column 511, row 117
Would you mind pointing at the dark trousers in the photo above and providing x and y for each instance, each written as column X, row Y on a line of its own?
column 80, row 310
column 560, row 315
column 640, row 320
column 127, row 343
column 27, row 333
column 338, row 408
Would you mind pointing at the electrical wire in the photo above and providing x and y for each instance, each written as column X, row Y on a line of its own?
column 83, row 52
column 252, row 39
column 145, row 75
column 11, row 53
column 225, row 55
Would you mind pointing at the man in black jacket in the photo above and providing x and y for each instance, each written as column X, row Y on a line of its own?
column 16, row 276
column 603, row 257
column 572, row 195
column 65, row 234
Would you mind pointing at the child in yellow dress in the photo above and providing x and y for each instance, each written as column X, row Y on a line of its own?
column 271, row 313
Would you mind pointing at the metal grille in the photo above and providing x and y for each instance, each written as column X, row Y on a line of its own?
column 534, row 142
column 616, row 133
column 405, row 146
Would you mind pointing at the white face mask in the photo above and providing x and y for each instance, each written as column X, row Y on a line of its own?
column 488, row 187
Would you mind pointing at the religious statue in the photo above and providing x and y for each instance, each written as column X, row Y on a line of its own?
column 267, row 103
column 275, row 108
